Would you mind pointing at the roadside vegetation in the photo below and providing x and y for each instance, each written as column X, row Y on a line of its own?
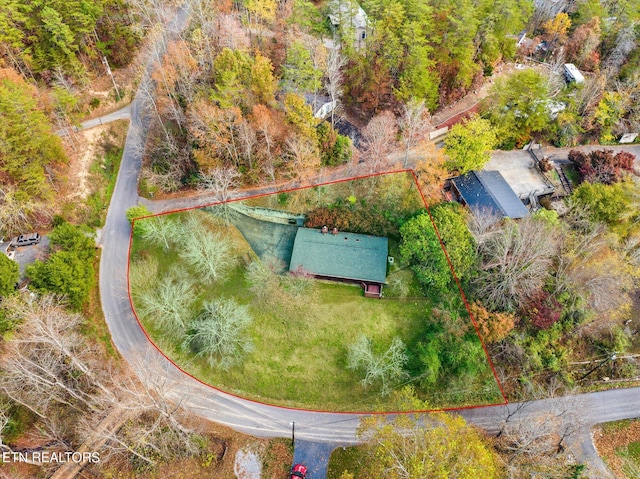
column 241, row 329
column 619, row 445
column 569, row 280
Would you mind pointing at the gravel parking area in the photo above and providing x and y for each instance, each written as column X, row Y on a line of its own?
column 25, row 255
column 518, row 170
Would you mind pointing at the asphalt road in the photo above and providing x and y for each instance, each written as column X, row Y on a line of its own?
column 240, row 414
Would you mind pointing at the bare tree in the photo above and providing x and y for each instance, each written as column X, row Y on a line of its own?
column 385, row 368
column 18, row 213
column 143, row 274
column 168, row 304
column 221, row 182
column 514, row 262
column 304, row 155
column 334, row 79
column 47, row 361
column 247, row 140
column 150, row 415
column 379, row 138
column 210, row 255
column 625, row 43
column 159, row 231
column 414, row 123
column 535, row 442
column 261, row 274
column 219, row 333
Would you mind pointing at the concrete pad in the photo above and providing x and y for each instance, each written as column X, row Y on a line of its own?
column 519, row 171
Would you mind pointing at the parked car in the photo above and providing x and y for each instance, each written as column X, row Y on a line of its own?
column 299, row 472
column 26, row 240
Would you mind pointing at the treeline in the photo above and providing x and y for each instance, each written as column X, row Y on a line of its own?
column 229, row 100
column 435, row 51
column 53, row 38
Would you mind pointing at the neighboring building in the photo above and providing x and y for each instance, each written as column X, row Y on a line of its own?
column 348, row 16
column 488, row 190
column 335, row 255
column 572, row 74
column 321, row 105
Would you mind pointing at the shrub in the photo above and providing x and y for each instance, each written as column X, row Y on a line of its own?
column 137, row 212
column 602, row 166
column 493, row 327
column 543, row 310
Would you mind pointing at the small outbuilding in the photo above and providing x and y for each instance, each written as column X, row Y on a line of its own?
column 488, row 190
column 572, row 74
column 331, row 254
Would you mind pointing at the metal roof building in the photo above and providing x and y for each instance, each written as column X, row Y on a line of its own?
column 345, row 256
column 489, row 190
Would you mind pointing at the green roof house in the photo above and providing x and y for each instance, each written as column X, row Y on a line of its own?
column 335, row 255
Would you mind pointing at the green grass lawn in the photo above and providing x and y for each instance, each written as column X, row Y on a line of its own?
column 300, row 345
column 300, row 351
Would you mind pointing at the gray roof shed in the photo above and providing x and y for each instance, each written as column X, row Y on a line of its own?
column 489, row 190
column 348, row 256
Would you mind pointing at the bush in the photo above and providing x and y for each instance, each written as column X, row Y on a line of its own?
column 355, row 220
column 543, row 310
column 494, row 327
column 335, row 148
column 69, row 271
column 138, row 211
column 602, row 166
column 9, row 275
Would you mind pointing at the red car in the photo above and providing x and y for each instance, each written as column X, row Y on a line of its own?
column 299, row 472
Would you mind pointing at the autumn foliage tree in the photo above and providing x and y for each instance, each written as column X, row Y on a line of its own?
column 435, row 445
column 493, row 326
column 602, row 166
column 543, row 310
column 379, row 138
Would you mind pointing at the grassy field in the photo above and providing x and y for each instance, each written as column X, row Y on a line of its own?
column 300, row 343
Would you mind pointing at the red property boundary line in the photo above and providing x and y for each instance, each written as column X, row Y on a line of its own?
column 342, row 180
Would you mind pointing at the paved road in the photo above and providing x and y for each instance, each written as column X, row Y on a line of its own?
column 243, row 415
column 123, row 113
column 314, row 455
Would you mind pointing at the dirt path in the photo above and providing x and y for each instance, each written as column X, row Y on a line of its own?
column 87, row 146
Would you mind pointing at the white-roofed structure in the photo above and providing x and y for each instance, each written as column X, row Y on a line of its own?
column 348, row 16
column 572, row 74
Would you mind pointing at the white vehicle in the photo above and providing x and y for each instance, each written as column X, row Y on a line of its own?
column 26, row 240
column 572, row 74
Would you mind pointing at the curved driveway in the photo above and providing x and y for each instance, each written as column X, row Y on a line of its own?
column 243, row 415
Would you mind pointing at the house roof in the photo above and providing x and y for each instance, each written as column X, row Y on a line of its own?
column 489, row 190
column 344, row 255
column 342, row 10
